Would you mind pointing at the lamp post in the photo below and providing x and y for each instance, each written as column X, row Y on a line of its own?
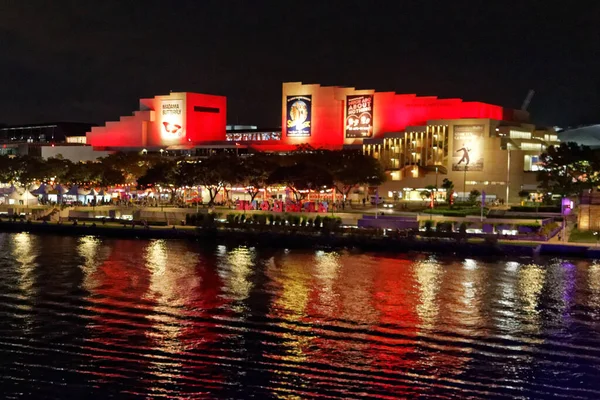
column 465, row 184
column 436, row 183
column 507, row 172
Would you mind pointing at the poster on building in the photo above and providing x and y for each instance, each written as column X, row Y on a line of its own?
column 171, row 119
column 359, row 116
column 298, row 116
column 468, row 148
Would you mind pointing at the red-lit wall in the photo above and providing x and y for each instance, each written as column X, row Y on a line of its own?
column 146, row 128
column 391, row 112
column 206, row 125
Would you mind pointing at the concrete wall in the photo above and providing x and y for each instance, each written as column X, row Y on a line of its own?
column 73, row 153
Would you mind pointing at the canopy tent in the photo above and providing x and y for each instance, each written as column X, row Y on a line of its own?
column 77, row 194
column 42, row 190
column 29, row 199
column 8, row 190
column 60, row 189
column 15, row 196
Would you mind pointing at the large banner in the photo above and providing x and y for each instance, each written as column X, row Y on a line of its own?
column 298, row 116
column 171, row 119
column 359, row 116
column 468, row 148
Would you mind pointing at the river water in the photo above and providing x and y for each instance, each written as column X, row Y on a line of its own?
column 99, row 318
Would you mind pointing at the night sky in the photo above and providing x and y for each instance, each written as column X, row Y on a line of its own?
column 91, row 61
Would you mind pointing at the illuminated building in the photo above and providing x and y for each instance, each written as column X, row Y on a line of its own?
column 503, row 157
column 420, row 140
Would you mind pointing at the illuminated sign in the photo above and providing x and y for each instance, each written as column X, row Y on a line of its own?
column 468, row 148
column 252, row 136
column 359, row 116
column 171, row 119
column 298, row 116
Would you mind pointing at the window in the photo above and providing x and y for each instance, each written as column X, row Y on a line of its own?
column 213, row 110
column 531, row 146
column 520, row 135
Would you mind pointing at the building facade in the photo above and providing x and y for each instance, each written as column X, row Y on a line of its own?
column 419, row 140
column 500, row 158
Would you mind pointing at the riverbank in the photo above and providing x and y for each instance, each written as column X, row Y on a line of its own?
column 314, row 240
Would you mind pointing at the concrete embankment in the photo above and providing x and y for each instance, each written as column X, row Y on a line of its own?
column 309, row 240
column 266, row 238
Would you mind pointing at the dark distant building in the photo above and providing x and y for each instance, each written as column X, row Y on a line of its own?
column 30, row 138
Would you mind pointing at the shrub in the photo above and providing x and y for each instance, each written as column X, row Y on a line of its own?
column 548, row 228
column 318, row 221
column 444, row 226
column 544, row 209
column 278, row 220
column 309, row 222
column 428, row 225
column 260, row 219
column 242, row 218
column 230, row 218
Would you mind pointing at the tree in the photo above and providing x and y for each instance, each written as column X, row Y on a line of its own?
column 432, row 189
column 568, row 169
column 255, row 172
column 162, row 174
column 350, row 169
column 9, row 169
column 449, row 186
column 425, row 195
column 82, row 173
column 301, row 177
column 57, row 168
column 216, row 173
column 473, row 195
column 524, row 194
column 31, row 169
column 133, row 165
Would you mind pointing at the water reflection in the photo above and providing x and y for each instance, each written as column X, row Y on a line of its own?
column 174, row 320
column 428, row 274
column 594, row 285
column 25, row 252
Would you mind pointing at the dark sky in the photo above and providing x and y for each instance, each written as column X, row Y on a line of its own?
column 92, row 60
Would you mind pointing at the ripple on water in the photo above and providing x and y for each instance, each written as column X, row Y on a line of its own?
column 97, row 317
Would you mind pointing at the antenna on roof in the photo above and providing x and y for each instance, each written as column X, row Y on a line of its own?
column 527, row 100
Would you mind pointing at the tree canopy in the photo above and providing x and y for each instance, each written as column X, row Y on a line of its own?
column 569, row 169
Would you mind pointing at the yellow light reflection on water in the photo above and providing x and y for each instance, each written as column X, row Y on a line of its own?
column 294, row 279
column 88, row 250
column 327, row 266
column 531, row 284
column 240, row 262
column 428, row 274
column 170, row 281
column 24, row 252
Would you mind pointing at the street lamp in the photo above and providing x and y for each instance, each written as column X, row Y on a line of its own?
column 465, row 184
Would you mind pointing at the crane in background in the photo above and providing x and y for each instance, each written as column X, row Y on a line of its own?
column 527, row 100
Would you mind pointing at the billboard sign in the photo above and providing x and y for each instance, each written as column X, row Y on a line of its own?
column 171, row 119
column 298, row 116
column 468, row 148
column 359, row 116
